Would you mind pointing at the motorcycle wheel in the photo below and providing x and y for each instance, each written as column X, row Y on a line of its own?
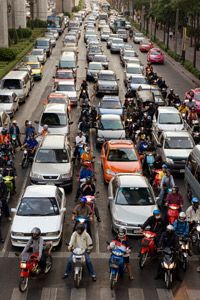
column 142, row 260
column 77, row 280
column 23, row 284
column 49, row 263
column 168, row 279
column 24, row 163
column 112, row 282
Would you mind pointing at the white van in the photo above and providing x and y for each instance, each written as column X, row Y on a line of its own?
column 56, row 117
column 68, row 61
column 18, row 82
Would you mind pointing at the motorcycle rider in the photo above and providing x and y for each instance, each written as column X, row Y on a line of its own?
column 31, row 144
column 3, row 194
column 10, row 170
column 80, row 239
column 183, row 109
column 171, row 97
column 151, row 110
column 84, row 126
column 82, row 210
column 193, row 213
column 192, row 115
column 122, row 239
column 86, row 171
column 169, row 239
column 190, row 103
column 4, row 136
column 14, row 129
column 181, row 225
column 174, row 197
column 30, row 130
column 36, row 245
column 156, row 224
column 84, row 87
column 177, row 100
column 80, row 140
column 167, row 182
column 45, row 130
column 93, row 115
column 87, row 154
column 1, row 239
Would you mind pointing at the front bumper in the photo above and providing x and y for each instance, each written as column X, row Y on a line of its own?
column 107, row 91
column 37, row 76
column 22, row 241
column 65, row 183
column 131, row 230
column 177, row 167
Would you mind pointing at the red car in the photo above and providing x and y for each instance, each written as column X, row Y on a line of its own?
column 155, row 55
column 195, row 95
column 146, row 45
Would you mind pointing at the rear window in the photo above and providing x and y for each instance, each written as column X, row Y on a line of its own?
column 5, row 99
column 12, row 84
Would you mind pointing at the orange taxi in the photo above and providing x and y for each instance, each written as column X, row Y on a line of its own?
column 119, row 156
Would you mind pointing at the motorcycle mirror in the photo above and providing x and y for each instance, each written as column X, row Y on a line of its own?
column 36, row 122
column 63, row 210
column 13, row 210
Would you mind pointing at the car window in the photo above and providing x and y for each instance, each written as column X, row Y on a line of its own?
column 110, row 104
column 122, row 155
column 52, row 156
column 178, row 143
column 114, row 187
column 12, row 84
column 59, row 197
column 134, row 196
column 105, row 148
column 38, row 207
column 169, row 118
column 111, row 125
column 54, row 119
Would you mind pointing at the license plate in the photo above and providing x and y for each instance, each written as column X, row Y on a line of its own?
column 182, row 170
column 135, row 231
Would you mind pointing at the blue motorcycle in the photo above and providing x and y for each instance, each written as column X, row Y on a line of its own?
column 117, row 265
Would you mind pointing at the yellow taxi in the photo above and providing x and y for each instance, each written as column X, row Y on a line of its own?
column 36, row 69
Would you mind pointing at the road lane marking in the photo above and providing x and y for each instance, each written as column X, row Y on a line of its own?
column 136, row 294
column 78, row 294
column 107, row 294
column 193, row 294
column 164, row 294
column 17, row 295
column 5, row 246
column 49, row 294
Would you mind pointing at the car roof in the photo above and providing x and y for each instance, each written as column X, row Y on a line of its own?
column 133, row 65
column 132, row 180
column 38, row 191
column 55, row 108
column 65, row 81
column 107, row 72
column 15, row 75
column 110, row 98
column 110, row 117
column 138, row 76
column 55, row 141
column 179, row 133
column 167, row 109
column 95, row 63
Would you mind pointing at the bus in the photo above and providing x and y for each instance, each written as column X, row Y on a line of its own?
column 56, row 22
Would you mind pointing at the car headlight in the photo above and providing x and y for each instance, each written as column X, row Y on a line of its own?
column 36, row 176
column 117, row 222
column 109, row 172
column 65, row 176
column 17, row 233
column 169, row 160
column 54, row 233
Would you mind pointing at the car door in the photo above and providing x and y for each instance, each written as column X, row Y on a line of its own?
column 15, row 102
column 114, row 189
column 61, row 203
column 104, row 152
column 160, row 147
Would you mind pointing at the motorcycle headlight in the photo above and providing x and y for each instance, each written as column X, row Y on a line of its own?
column 169, row 160
column 198, row 228
column 109, row 172
column 171, row 266
column 23, row 265
column 54, row 233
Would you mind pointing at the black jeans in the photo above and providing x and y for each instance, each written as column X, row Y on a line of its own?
column 42, row 262
column 5, row 207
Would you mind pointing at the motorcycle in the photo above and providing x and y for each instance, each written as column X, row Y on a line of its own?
column 85, row 221
column 169, row 265
column 14, row 142
column 27, row 158
column 78, row 258
column 184, row 252
column 148, row 247
column 195, row 235
column 30, row 267
column 8, row 180
column 173, row 212
column 116, row 264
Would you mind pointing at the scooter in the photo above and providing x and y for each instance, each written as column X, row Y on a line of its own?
column 30, row 267
column 173, row 212
column 78, row 258
column 27, row 158
column 169, row 265
column 8, row 180
column 148, row 247
column 184, row 252
column 14, row 142
column 116, row 263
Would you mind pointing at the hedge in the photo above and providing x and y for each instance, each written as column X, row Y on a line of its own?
column 7, row 54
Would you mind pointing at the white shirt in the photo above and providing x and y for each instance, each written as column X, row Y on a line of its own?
column 82, row 241
column 80, row 140
column 192, row 215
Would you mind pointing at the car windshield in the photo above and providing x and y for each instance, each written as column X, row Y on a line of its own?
column 12, row 84
column 138, row 80
column 67, row 64
column 35, row 66
column 139, row 34
column 117, row 41
column 197, row 97
column 168, row 118
column 155, row 52
column 95, row 50
column 107, row 77
column 52, row 156
column 129, row 53
column 70, row 39
column 110, row 104
column 64, row 75
column 37, row 52
column 5, row 99
column 133, row 70
column 122, row 155
column 38, row 207
column 42, row 43
column 53, row 119
column 66, row 87
column 178, row 143
column 95, row 67
column 111, row 125
column 100, row 58
column 57, row 100
column 138, row 196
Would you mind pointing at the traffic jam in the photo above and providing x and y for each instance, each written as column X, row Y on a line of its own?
column 113, row 155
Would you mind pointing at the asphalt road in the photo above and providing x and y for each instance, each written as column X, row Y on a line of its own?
column 53, row 287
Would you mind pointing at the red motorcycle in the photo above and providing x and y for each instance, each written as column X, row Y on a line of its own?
column 30, row 267
column 148, row 247
column 173, row 212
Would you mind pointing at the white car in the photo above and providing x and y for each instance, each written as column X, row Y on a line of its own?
column 68, row 88
column 131, row 201
column 9, row 102
column 132, row 69
column 39, row 207
column 41, row 55
column 138, row 37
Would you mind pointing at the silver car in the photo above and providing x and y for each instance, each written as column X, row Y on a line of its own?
column 131, row 201
column 116, row 45
column 40, row 54
column 107, row 83
column 92, row 71
column 9, row 102
column 53, row 162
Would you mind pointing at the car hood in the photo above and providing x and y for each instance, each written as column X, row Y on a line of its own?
column 111, row 134
column 69, row 94
column 177, row 153
column 171, row 127
column 6, row 106
column 124, row 167
column 107, row 83
column 136, row 215
column 50, row 169
column 135, row 86
column 26, row 223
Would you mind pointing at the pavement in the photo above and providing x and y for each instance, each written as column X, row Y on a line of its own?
column 52, row 287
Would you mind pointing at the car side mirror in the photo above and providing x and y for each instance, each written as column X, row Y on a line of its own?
column 110, row 198
column 36, row 122
column 63, row 210
column 13, row 210
column 70, row 123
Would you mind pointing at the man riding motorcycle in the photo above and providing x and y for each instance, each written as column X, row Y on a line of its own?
column 4, row 136
column 181, row 225
column 121, row 239
column 83, row 210
column 192, row 115
column 86, row 171
column 10, row 170
column 80, row 140
column 3, row 194
column 80, row 239
column 84, row 87
column 36, row 245
column 171, row 97
column 31, row 144
column 87, row 154
column 175, row 197
column 193, row 213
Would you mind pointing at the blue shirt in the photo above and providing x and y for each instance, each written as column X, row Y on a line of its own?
column 30, row 131
column 84, row 173
column 31, row 143
column 181, row 228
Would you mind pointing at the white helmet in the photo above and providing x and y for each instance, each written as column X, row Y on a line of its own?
column 170, row 227
column 182, row 217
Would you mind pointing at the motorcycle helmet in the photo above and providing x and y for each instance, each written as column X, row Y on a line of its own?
column 14, row 122
column 195, row 200
column 182, row 217
column 80, row 228
column 170, row 228
column 164, row 166
column 171, row 90
column 156, row 213
column 122, row 232
column 29, row 123
column 45, row 126
column 83, row 200
column 35, row 233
